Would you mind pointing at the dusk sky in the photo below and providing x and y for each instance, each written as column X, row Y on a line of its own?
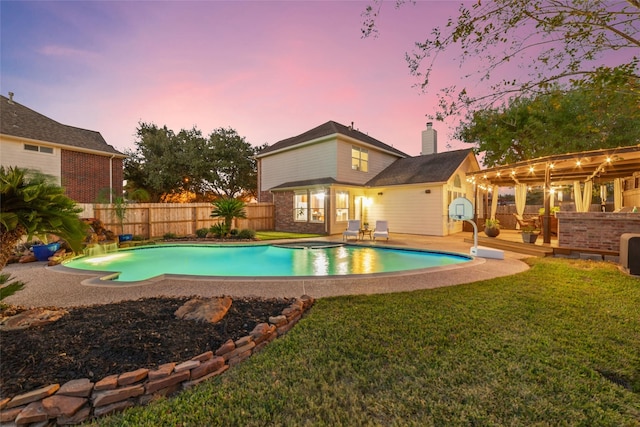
column 268, row 69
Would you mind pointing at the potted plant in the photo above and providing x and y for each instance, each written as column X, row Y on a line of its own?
column 553, row 210
column 529, row 234
column 492, row 227
column 366, row 225
column 44, row 250
column 120, row 211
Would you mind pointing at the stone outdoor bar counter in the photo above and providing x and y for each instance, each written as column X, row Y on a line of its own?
column 595, row 230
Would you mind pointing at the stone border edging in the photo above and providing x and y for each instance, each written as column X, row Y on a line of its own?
column 77, row 401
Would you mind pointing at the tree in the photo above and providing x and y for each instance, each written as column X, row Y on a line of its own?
column 585, row 118
column 165, row 163
column 233, row 168
column 32, row 206
column 228, row 209
column 556, row 41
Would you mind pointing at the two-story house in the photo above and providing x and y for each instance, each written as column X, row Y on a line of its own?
column 80, row 160
column 327, row 175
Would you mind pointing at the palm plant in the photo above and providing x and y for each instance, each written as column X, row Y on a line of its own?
column 228, row 209
column 33, row 206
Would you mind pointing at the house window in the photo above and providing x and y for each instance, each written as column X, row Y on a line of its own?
column 300, row 207
column 342, row 206
column 309, row 206
column 31, row 147
column 317, row 206
column 359, row 159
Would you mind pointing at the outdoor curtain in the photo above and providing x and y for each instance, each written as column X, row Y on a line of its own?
column 521, row 200
column 494, row 202
column 582, row 199
column 617, row 194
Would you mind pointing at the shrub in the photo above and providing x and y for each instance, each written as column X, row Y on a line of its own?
column 202, row 232
column 219, row 230
column 169, row 236
column 234, row 232
column 138, row 237
column 247, row 233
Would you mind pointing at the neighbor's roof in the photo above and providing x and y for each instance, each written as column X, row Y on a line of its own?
column 597, row 165
column 430, row 168
column 22, row 122
column 327, row 129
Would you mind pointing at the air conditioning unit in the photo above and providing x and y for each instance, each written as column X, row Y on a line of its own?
column 630, row 253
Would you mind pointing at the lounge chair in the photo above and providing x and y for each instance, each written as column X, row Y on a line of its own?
column 529, row 222
column 353, row 229
column 381, row 230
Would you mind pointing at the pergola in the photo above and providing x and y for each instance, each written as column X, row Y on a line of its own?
column 585, row 167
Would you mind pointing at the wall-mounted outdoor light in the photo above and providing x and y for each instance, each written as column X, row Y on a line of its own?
column 380, row 193
column 427, row 191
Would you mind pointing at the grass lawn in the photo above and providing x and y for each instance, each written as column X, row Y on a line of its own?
column 556, row 345
column 275, row 235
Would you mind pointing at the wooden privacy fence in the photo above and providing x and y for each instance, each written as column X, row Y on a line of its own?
column 156, row 219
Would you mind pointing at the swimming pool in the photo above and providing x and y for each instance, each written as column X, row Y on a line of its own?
column 294, row 260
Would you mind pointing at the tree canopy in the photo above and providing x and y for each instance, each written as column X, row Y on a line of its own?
column 554, row 41
column 167, row 164
column 585, row 118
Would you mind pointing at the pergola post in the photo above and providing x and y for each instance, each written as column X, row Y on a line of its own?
column 546, row 218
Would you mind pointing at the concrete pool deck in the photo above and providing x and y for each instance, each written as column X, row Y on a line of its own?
column 47, row 287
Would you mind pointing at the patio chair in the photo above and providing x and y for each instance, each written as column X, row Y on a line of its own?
column 381, row 230
column 353, row 229
column 529, row 222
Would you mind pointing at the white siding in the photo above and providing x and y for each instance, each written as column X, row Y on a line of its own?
column 408, row 209
column 378, row 161
column 303, row 163
column 12, row 153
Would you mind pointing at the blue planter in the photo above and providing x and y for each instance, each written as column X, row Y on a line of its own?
column 125, row 237
column 43, row 252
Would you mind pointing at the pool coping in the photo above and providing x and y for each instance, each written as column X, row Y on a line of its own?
column 45, row 288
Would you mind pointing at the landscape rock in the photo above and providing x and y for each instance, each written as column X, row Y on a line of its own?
column 33, row 396
column 78, row 388
column 57, row 405
column 204, row 310
column 29, row 318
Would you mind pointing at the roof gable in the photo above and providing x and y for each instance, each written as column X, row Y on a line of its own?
column 438, row 167
column 326, row 129
column 22, row 122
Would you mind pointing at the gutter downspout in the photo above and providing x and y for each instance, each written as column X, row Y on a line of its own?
column 111, row 178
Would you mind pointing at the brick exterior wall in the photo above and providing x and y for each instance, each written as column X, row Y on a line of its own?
column 595, row 230
column 84, row 175
column 284, row 216
column 265, row 197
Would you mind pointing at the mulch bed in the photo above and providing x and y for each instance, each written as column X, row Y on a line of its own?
column 96, row 341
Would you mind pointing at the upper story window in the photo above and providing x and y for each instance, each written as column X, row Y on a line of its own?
column 359, row 159
column 40, row 148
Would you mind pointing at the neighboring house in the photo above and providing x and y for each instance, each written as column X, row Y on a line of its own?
column 79, row 159
column 327, row 175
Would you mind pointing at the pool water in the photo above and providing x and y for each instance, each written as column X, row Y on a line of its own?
column 259, row 261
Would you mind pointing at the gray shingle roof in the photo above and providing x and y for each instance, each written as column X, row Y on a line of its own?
column 326, row 129
column 436, row 167
column 310, row 182
column 20, row 121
